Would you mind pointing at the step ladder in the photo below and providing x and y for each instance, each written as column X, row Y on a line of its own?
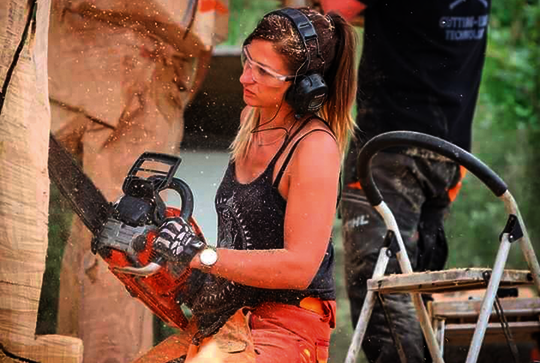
column 416, row 283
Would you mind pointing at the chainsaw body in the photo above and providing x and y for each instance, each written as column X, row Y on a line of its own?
column 126, row 240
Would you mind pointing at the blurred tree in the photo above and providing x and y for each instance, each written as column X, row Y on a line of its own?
column 506, row 136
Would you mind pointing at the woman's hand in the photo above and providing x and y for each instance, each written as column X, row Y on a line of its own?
column 177, row 242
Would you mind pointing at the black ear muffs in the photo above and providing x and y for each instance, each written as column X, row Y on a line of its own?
column 308, row 91
column 307, row 94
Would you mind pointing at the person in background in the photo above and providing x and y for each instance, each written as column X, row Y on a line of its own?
column 420, row 70
column 267, row 293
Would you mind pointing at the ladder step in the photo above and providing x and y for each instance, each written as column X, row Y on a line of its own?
column 524, row 308
column 445, row 281
column 461, row 334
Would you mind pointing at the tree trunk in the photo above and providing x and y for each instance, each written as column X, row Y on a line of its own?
column 121, row 74
column 24, row 185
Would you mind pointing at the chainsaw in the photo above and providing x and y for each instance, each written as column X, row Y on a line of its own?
column 124, row 231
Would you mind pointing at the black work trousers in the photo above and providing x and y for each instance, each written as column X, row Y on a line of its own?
column 414, row 185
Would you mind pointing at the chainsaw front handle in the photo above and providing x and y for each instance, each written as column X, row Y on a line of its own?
column 186, row 197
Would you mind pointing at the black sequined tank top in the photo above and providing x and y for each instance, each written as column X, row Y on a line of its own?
column 251, row 217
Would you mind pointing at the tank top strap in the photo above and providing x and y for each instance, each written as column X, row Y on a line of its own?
column 286, row 143
column 279, row 176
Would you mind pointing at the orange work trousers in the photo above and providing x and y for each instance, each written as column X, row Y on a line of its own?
column 271, row 332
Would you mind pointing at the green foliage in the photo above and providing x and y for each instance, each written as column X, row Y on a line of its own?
column 244, row 16
column 511, row 76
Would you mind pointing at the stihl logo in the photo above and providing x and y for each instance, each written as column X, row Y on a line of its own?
column 357, row 222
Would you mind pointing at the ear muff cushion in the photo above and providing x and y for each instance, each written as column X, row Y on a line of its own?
column 290, row 95
column 307, row 94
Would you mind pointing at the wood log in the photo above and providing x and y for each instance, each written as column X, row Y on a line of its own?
column 24, row 184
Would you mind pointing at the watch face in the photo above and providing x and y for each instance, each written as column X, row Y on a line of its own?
column 208, row 257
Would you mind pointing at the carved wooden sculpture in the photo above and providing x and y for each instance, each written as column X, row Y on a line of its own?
column 121, row 74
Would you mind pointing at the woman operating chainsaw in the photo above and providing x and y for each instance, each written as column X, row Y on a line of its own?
column 267, row 294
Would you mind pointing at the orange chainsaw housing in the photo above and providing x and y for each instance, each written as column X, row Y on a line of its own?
column 158, row 291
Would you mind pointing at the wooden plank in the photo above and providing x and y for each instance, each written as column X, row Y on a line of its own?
column 520, row 307
column 445, row 281
column 459, row 334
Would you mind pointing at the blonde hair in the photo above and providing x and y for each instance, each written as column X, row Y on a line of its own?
column 337, row 40
column 241, row 143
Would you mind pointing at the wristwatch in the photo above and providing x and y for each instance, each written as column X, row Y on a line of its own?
column 208, row 257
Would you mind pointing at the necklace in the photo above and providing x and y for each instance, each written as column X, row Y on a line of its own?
column 284, row 135
column 257, row 129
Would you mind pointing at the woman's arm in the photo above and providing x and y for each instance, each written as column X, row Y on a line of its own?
column 348, row 9
column 310, row 187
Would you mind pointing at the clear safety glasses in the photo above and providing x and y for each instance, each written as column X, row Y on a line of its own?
column 262, row 74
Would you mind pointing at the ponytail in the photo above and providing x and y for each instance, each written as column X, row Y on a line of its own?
column 341, row 81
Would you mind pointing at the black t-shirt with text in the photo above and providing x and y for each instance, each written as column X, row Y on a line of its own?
column 421, row 67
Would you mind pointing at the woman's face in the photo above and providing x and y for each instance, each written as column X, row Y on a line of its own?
column 265, row 78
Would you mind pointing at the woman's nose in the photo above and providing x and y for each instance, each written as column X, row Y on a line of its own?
column 247, row 75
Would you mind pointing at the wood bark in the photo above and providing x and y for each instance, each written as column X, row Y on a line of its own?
column 24, row 187
column 121, row 74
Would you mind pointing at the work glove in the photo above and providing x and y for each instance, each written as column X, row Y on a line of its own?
column 176, row 241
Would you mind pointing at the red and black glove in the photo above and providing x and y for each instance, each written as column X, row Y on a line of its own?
column 176, row 241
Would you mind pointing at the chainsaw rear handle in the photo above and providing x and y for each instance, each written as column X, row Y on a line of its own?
column 432, row 143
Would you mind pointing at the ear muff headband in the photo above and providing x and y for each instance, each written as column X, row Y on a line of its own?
column 305, row 28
